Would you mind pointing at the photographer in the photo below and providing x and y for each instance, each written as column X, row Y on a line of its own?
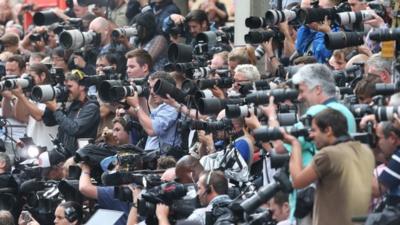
column 279, row 206
column 32, row 112
column 381, row 67
column 387, row 182
column 79, row 120
column 149, row 39
column 10, row 43
column 139, row 64
column 121, row 131
column 160, row 125
column 338, row 195
column 59, row 59
column 212, row 189
column 103, row 194
column 161, row 9
column 196, row 20
column 103, row 27
column 310, row 37
column 118, row 9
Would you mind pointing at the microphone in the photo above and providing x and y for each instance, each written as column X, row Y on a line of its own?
column 32, row 186
column 120, row 178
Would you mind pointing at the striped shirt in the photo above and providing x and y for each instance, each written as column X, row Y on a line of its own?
column 390, row 176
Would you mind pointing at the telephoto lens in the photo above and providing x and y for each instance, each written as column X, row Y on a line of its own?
column 385, row 34
column 224, row 82
column 120, row 92
column 256, row 37
column 386, row 89
column 236, row 111
column 163, row 87
column 178, row 53
column 339, row 40
column 265, row 134
column 44, row 93
column 124, row 32
column 318, row 14
column 215, row 105
column 347, row 18
column 24, row 82
column 75, row 39
column 274, row 17
column 280, row 95
column 106, row 87
column 254, row 22
column 386, row 113
column 45, row 18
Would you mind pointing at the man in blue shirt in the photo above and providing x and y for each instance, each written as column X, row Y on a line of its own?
column 160, row 125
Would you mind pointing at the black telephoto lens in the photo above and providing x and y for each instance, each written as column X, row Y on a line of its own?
column 339, row 40
column 162, row 88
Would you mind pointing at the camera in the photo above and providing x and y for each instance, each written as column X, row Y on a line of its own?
column 25, row 81
column 45, row 18
column 124, row 32
column 382, row 113
column 116, row 90
column 215, row 105
column 338, row 40
column 318, row 14
column 256, row 37
column 347, row 18
column 274, row 17
column 38, row 37
column 208, row 127
column 246, row 88
column 180, row 198
column 280, row 95
column 44, row 93
column 224, row 82
column 265, row 134
column 75, row 39
column 349, row 74
column 162, row 88
column 385, row 34
column 387, row 89
column 254, row 22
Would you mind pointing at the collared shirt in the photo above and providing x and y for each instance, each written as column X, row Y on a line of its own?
column 164, row 122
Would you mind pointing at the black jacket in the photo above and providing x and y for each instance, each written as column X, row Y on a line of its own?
column 80, row 120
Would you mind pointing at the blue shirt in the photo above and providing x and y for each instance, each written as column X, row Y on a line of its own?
column 106, row 200
column 164, row 122
column 308, row 39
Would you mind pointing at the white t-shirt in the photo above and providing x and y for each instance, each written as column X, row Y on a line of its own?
column 39, row 132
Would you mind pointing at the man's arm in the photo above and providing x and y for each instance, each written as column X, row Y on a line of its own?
column 85, row 184
column 301, row 178
column 142, row 116
column 24, row 107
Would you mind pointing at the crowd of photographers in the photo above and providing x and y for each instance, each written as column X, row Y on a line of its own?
column 133, row 107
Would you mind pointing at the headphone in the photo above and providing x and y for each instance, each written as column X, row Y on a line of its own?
column 70, row 214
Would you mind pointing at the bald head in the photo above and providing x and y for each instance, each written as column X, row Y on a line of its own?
column 188, row 169
column 101, row 26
